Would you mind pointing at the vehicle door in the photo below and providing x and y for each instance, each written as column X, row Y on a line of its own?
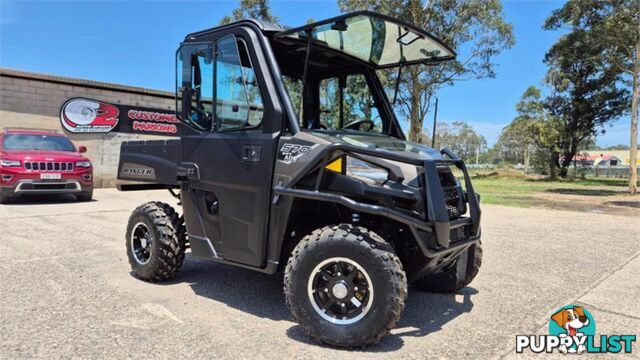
column 230, row 158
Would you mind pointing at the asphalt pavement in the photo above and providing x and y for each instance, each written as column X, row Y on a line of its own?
column 66, row 290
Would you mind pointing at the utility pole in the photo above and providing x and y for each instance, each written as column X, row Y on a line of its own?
column 435, row 117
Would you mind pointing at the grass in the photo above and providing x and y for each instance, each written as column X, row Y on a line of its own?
column 524, row 192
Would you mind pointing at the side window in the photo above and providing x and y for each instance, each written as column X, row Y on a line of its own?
column 238, row 99
column 194, row 80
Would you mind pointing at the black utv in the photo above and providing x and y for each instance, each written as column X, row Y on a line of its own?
column 292, row 158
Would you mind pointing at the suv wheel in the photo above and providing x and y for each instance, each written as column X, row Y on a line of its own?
column 85, row 195
column 153, row 246
column 5, row 198
column 345, row 286
column 456, row 276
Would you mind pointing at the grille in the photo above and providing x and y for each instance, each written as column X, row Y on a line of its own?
column 461, row 233
column 48, row 166
column 452, row 195
column 43, row 186
column 452, row 201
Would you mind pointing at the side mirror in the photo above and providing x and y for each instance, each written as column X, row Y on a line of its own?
column 185, row 109
column 82, row 149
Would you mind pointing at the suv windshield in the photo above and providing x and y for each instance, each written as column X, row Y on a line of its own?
column 37, row 142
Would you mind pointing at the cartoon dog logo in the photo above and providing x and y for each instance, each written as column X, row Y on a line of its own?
column 571, row 320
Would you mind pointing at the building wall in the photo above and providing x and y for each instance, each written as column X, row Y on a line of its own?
column 31, row 100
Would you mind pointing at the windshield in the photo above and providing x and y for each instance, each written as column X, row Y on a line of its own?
column 378, row 40
column 37, row 142
column 344, row 103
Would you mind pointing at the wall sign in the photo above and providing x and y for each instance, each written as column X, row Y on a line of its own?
column 86, row 116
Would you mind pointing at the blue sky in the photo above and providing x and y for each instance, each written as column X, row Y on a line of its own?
column 134, row 43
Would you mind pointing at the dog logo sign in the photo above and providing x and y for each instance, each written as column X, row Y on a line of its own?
column 572, row 330
column 572, row 322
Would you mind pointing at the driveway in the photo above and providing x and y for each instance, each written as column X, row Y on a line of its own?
column 66, row 290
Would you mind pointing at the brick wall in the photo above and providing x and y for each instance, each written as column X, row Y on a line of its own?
column 33, row 100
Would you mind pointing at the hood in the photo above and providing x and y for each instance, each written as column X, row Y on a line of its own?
column 383, row 142
column 43, row 155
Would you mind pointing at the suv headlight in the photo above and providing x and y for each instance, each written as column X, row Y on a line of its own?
column 83, row 164
column 8, row 163
column 359, row 169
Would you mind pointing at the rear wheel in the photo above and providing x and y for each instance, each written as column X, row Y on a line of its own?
column 456, row 276
column 153, row 246
column 345, row 286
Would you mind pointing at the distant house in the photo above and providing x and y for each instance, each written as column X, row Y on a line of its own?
column 622, row 156
column 599, row 160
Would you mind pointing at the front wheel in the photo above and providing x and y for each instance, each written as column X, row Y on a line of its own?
column 5, row 198
column 154, row 246
column 345, row 286
column 85, row 195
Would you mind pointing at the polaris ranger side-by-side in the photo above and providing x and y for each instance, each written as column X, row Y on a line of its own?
column 294, row 159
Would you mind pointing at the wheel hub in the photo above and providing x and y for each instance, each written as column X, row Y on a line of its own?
column 141, row 243
column 340, row 291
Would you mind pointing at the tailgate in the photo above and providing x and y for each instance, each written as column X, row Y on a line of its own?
column 154, row 161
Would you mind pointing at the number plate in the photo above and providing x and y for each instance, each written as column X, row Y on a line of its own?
column 50, row 176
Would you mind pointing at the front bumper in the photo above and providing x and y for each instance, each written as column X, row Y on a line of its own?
column 31, row 186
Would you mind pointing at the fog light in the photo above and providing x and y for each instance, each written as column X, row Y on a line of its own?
column 7, row 178
column 86, row 177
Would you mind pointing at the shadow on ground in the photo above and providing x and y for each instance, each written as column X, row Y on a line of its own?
column 44, row 200
column 586, row 182
column 584, row 192
column 631, row 204
column 261, row 295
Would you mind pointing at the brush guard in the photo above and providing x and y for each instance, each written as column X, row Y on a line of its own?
column 452, row 237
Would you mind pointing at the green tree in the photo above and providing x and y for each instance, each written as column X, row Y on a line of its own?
column 251, row 9
column 586, row 92
column 515, row 143
column 534, row 133
column 615, row 26
column 617, row 147
column 477, row 26
column 461, row 138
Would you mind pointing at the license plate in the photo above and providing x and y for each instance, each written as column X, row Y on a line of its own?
column 50, row 176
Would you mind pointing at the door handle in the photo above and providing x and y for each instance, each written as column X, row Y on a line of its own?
column 251, row 153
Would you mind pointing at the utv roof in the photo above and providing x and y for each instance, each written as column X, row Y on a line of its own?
column 380, row 40
column 376, row 39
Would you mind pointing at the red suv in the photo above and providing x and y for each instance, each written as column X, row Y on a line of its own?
column 42, row 162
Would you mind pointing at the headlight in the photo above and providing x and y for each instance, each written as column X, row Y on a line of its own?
column 83, row 164
column 359, row 169
column 7, row 163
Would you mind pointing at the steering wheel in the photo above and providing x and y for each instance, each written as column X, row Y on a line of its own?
column 354, row 125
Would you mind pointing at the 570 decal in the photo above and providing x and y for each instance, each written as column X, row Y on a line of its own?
column 290, row 152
